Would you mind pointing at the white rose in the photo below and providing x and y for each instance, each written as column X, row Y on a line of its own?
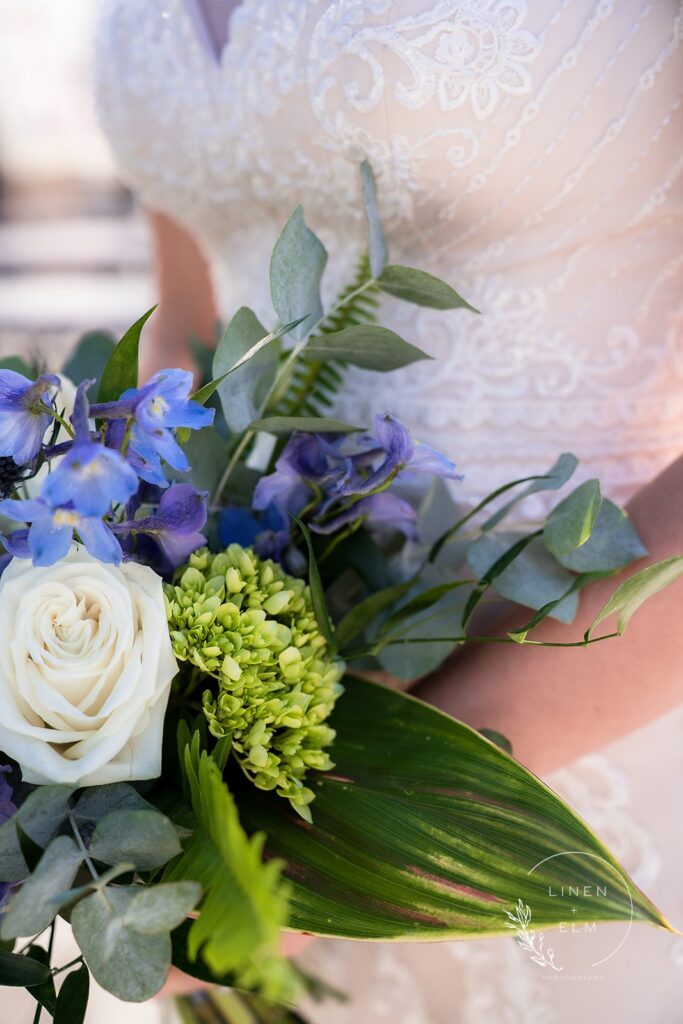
column 86, row 669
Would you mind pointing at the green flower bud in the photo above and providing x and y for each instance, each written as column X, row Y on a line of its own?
column 246, row 623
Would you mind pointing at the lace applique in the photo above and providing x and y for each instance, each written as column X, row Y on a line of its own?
column 456, row 53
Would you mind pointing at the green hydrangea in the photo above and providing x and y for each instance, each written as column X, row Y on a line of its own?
column 244, row 621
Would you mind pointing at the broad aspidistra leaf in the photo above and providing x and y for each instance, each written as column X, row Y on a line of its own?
column 426, row 830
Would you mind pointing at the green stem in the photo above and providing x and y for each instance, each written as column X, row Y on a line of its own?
column 82, row 847
column 245, row 440
column 65, row 967
column 56, row 416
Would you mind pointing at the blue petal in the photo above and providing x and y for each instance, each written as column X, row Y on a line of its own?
column 24, row 511
column 92, row 478
column 99, row 540
column 17, row 543
column 238, row 526
column 49, row 541
column 21, row 434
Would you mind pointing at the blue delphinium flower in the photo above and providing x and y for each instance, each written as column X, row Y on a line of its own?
column 268, row 532
column 383, row 509
column 391, row 451
column 307, row 464
column 157, row 409
column 23, row 420
column 90, row 478
column 52, row 532
column 167, row 538
column 329, row 472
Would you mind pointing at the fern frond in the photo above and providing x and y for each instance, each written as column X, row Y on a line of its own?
column 313, row 383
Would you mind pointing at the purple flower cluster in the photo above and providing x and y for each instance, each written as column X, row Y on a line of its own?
column 96, row 488
column 341, row 481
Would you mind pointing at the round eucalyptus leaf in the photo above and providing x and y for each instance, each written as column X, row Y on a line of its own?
column 161, row 908
column 130, row 965
column 35, row 905
column 145, row 838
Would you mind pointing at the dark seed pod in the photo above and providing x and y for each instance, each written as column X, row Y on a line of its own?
column 10, row 474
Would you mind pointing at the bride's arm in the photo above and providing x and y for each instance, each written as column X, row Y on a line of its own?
column 555, row 705
column 186, row 302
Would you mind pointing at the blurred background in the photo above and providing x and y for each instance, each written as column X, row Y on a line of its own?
column 74, row 252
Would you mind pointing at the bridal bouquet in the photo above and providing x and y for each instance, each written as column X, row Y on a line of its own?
column 188, row 763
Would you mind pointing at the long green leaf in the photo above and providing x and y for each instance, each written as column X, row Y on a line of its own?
column 377, row 245
column 366, row 345
column 315, row 583
column 310, row 424
column 121, row 372
column 426, row 830
column 421, row 288
column 362, row 614
column 629, row 596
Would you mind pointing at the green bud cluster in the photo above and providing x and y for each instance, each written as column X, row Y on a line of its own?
column 244, row 621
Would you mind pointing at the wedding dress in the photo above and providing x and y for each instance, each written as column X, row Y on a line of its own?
column 529, row 153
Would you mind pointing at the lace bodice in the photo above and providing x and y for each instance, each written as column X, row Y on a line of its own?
column 528, row 152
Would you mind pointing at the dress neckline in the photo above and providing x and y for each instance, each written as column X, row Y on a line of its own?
column 215, row 52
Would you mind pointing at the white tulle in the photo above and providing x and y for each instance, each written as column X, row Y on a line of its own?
column 529, row 153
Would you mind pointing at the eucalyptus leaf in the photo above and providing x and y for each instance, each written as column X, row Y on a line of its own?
column 208, row 454
column 309, row 424
column 571, row 523
column 629, row 596
column 97, row 801
column 421, row 288
column 413, row 660
column 40, row 815
column 161, row 908
column 90, row 357
column 34, row 906
column 145, row 838
column 424, row 600
column 130, row 965
column 426, row 830
column 121, row 371
column 296, row 269
column 533, row 578
column 72, row 1000
column 377, row 245
column 240, row 384
column 367, row 345
column 556, row 477
column 613, row 544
